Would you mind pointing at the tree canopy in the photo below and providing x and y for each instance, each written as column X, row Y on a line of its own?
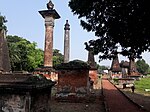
column 101, row 68
column 142, row 66
column 2, row 21
column 24, row 55
column 117, row 23
column 58, row 58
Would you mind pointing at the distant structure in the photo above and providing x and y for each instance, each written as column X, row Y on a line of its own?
column 125, row 68
column 4, row 52
column 49, row 15
column 132, row 69
column 66, row 42
column 115, row 68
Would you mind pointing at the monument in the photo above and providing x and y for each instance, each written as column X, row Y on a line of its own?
column 4, row 53
column 93, row 70
column 73, row 81
column 49, row 15
column 47, row 70
column 91, row 60
column 133, row 72
column 66, row 42
column 115, row 68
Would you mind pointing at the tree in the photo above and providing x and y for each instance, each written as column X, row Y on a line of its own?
column 117, row 23
column 57, row 57
column 23, row 54
column 101, row 68
column 2, row 21
column 142, row 66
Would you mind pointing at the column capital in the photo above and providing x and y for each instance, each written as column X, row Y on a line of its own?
column 49, row 21
column 67, row 26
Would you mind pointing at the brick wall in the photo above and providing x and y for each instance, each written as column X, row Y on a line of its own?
column 72, row 85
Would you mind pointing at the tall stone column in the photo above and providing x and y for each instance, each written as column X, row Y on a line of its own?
column 66, row 42
column 49, row 15
column 48, row 50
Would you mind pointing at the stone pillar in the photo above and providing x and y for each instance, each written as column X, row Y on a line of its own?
column 49, row 15
column 66, row 42
column 48, row 50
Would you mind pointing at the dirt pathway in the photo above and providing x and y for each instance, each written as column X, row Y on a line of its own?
column 116, row 101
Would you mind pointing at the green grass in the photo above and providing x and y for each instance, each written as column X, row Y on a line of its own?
column 141, row 85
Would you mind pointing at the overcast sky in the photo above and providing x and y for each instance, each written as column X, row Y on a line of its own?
column 25, row 21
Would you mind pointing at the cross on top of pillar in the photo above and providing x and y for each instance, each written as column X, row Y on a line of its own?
column 50, row 5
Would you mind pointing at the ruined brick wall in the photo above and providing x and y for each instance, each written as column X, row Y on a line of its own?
column 72, row 85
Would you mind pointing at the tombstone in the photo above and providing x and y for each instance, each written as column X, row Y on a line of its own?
column 93, row 70
column 73, row 81
column 133, row 73
column 125, row 68
column 24, row 92
column 115, row 68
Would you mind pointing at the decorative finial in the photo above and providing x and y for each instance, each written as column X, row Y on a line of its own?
column 50, row 5
column 67, row 26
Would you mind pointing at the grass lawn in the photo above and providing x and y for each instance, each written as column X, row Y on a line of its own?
column 141, row 85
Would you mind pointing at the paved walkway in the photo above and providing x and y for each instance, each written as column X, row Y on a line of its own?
column 116, row 101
